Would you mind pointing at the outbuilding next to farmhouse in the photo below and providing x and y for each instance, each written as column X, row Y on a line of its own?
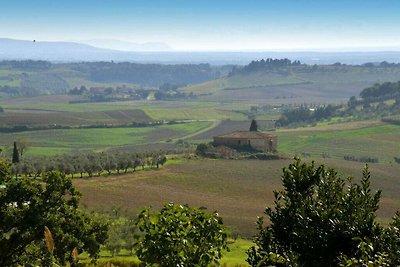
column 261, row 141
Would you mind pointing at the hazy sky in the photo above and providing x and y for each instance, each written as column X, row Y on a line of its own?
column 209, row 25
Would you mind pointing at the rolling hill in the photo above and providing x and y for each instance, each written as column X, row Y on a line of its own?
column 302, row 83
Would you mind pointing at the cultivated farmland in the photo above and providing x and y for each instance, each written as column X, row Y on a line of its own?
column 54, row 141
column 238, row 189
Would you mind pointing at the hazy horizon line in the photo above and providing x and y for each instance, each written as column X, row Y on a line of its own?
column 339, row 49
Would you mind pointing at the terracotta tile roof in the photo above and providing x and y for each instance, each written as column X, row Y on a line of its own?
column 247, row 135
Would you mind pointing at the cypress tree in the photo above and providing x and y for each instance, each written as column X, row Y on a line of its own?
column 253, row 126
column 15, row 157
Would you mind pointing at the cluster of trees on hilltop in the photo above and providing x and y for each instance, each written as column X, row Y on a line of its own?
column 265, row 64
column 89, row 163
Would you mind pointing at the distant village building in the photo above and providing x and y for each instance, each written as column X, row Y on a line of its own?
column 261, row 141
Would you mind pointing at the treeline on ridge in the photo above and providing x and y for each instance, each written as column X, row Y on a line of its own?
column 372, row 103
column 271, row 64
column 264, row 64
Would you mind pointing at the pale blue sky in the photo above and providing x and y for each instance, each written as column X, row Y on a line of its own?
column 210, row 25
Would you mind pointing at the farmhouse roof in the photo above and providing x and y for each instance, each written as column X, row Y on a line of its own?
column 246, row 135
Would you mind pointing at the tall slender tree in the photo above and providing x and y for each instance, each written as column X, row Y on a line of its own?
column 15, row 156
column 253, row 126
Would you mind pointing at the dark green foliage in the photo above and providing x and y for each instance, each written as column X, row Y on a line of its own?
column 78, row 91
column 305, row 114
column 381, row 91
column 264, row 64
column 253, row 126
column 168, row 95
column 90, row 163
column 1, row 109
column 27, row 206
column 180, row 236
column 301, row 114
column 201, row 149
column 170, row 86
column 319, row 218
column 15, row 155
column 365, row 159
column 365, row 256
column 264, row 156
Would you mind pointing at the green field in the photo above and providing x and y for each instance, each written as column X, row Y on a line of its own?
column 156, row 110
column 366, row 139
column 235, row 257
column 46, row 142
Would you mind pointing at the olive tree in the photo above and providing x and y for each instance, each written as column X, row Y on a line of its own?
column 180, row 236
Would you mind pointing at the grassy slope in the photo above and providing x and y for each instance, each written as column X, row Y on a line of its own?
column 65, row 141
column 359, row 139
column 346, row 81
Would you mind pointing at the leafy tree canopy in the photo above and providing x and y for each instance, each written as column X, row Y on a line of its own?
column 180, row 236
column 27, row 206
column 386, row 89
column 320, row 219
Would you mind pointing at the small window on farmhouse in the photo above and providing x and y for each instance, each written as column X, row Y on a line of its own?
column 238, row 142
column 248, row 142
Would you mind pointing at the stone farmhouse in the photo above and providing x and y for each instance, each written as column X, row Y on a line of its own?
column 261, row 141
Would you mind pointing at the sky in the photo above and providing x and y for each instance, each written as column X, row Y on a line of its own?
column 204, row 25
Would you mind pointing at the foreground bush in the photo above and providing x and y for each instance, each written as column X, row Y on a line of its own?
column 28, row 207
column 180, row 236
column 320, row 219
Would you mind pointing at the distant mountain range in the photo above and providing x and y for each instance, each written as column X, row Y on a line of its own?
column 127, row 46
column 11, row 49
